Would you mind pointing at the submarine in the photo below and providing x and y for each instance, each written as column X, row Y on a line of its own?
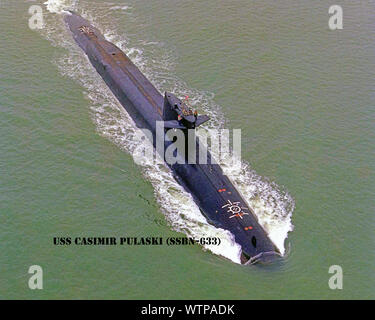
column 216, row 196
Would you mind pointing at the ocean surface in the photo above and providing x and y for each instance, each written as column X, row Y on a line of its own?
column 302, row 94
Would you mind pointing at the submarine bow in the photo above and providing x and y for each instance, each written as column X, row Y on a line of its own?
column 218, row 199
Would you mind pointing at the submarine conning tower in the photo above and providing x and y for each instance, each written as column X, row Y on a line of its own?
column 218, row 199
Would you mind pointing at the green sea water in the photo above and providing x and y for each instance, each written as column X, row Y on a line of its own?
column 302, row 94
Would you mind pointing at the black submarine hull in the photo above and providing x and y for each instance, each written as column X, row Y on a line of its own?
column 214, row 193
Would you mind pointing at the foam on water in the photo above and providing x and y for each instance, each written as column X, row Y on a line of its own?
column 272, row 206
column 120, row 8
column 58, row 6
